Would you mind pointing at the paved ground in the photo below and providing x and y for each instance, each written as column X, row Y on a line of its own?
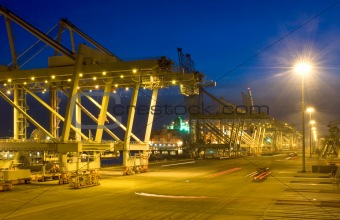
column 193, row 189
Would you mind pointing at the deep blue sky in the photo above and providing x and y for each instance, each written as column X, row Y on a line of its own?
column 220, row 35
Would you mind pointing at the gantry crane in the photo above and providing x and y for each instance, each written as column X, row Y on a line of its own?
column 217, row 125
column 332, row 143
column 76, row 72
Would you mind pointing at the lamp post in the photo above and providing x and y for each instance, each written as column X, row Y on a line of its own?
column 310, row 110
column 303, row 68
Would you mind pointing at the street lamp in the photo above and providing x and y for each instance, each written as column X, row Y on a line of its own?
column 310, row 110
column 303, row 68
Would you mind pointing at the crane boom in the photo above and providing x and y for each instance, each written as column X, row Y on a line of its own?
column 66, row 23
column 33, row 30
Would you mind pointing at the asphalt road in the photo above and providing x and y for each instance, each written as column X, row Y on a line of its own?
column 192, row 189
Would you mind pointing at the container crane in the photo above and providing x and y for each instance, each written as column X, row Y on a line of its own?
column 332, row 144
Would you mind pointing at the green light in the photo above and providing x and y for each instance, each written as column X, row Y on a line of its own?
column 184, row 127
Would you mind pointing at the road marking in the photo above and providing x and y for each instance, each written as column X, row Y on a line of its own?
column 176, row 164
column 224, row 172
column 172, row 197
column 287, row 172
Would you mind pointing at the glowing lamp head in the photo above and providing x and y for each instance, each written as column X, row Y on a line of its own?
column 302, row 68
column 310, row 109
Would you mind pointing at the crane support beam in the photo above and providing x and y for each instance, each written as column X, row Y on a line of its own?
column 46, row 39
column 16, row 113
column 53, row 112
column 72, row 27
column 129, row 125
column 71, row 98
column 113, row 70
column 103, row 111
column 151, row 115
column 54, row 122
column 72, row 41
column 221, row 102
column 35, row 123
column 19, row 122
column 11, row 43
column 111, row 117
column 93, row 117
column 77, row 118
column 96, row 120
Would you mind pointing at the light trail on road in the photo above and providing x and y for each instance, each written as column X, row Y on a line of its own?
column 224, row 172
column 176, row 164
column 172, row 197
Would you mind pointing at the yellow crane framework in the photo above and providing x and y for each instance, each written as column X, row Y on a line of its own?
column 331, row 146
column 219, row 128
column 74, row 72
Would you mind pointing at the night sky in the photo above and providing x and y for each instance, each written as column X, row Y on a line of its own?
column 239, row 44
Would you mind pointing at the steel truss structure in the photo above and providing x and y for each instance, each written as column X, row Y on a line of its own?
column 75, row 71
column 231, row 130
column 331, row 145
